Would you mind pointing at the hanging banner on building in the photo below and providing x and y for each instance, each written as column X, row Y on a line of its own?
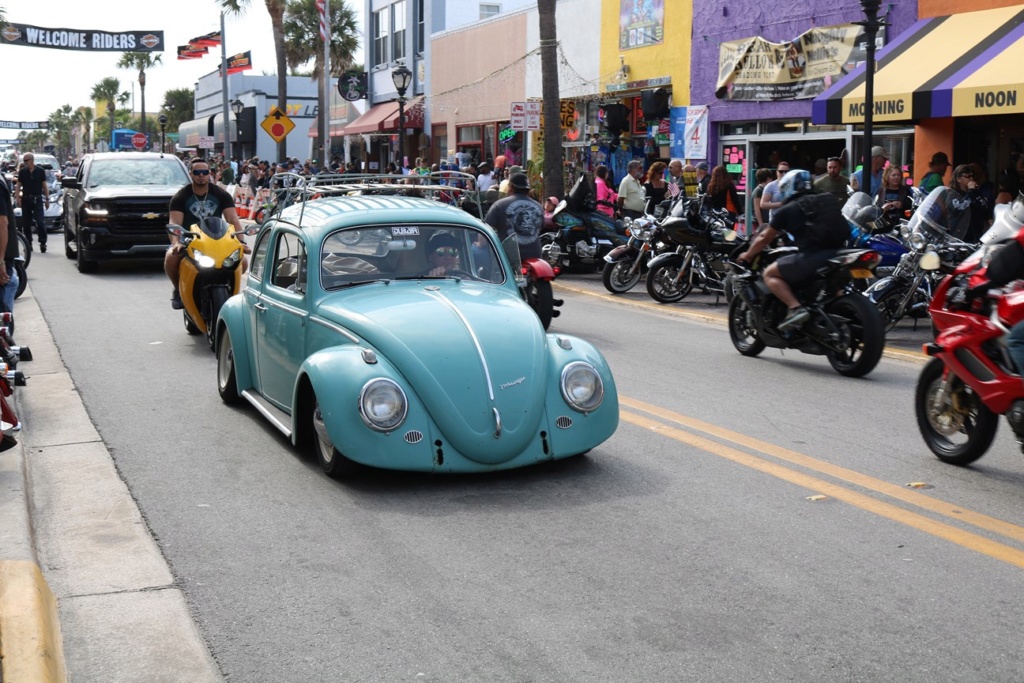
column 757, row 69
column 696, row 132
column 240, row 62
column 82, row 39
column 25, row 125
column 641, row 23
column 677, row 128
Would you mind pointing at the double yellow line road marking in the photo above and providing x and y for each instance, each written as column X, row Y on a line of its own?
column 689, row 431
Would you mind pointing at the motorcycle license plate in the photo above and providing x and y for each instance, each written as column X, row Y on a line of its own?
column 861, row 273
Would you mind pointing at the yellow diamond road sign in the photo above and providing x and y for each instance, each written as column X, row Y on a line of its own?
column 277, row 124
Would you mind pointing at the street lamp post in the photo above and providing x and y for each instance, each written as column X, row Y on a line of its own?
column 236, row 109
column 401, row 77
column 162, row 119
column 871, row 25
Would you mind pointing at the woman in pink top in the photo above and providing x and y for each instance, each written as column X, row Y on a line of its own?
column 606, row 196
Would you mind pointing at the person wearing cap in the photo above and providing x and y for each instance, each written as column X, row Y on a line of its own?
column 486, row 178
column 703, row 177
column 936, row 172
column 518, row 214
column 878, row 158
column 503, row 188
column 443, row 254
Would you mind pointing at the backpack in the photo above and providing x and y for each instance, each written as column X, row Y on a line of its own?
column 827, row 228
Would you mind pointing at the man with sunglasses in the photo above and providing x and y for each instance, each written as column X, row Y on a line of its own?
column 769, row 198
column 200, row 199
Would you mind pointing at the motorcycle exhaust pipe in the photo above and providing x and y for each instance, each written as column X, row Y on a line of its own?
column 24, row 352
column 17, row 377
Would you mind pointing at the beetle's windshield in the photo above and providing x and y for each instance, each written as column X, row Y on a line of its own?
column 370, row 254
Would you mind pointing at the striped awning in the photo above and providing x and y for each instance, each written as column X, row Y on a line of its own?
column 961, row 65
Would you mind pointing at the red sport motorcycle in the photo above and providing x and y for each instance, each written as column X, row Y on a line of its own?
column 972, row 379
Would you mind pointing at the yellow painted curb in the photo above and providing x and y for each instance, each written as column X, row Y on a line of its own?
column 30, row 642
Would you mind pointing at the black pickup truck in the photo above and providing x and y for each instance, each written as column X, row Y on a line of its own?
column 116, row 207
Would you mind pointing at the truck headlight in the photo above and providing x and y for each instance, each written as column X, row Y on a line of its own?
column 382, row 405
column 582, row 387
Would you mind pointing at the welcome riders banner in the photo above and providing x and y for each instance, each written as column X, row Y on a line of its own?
column 757, row 69
column 82, row 39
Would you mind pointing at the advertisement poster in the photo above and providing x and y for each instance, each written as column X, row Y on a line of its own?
column 754, row 69
column 696, row 133
column 641, row 23
column 677, row 126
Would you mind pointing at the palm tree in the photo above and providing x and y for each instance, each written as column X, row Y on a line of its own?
column 140, row 61
column 179, row 106
column 109, row 90
column 60, row 129
column 81, row 119
column 302, row 36
column 276, row 10
column 554, row 185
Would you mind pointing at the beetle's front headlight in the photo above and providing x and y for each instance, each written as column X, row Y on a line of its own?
column 582, row 387
column 232, row 261
column 382, row 405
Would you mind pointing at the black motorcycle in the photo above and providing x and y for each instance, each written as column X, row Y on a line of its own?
column 626, row 264
column 700, row 240
column 844, row 325
column 584, row 235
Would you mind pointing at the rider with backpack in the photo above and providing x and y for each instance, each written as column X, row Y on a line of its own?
column 818, row 229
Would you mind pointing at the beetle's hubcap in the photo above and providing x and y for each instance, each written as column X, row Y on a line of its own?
column 322, row 439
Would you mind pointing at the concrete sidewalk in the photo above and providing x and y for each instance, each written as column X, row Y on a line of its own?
column 85, row 593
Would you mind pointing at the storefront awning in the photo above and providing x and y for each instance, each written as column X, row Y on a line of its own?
column 413, row 115
column 961, row 65
column 372, row 120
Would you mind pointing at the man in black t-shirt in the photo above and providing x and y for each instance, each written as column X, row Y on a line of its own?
column 191, row 204
column 33, row 196
column 518, row 214
column 818, row 229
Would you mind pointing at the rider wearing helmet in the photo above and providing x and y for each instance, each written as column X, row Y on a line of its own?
column 817, row 227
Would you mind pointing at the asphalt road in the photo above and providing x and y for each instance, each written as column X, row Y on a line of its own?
column 750, row 520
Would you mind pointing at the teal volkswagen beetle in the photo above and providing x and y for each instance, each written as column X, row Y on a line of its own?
column 391, row 331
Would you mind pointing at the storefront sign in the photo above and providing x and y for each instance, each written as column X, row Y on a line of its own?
column 506, row 134
column 756, row 69
column 696, row 133
column 641, row 84
column 677, row 125
column 82, row 39
column 641, row 23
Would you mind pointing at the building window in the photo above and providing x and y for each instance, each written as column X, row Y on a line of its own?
column 421, row 27
column 489, row 9
column 398, row 21
column 380, row 37
column 439, row 140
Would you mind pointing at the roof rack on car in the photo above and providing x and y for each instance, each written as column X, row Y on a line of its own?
column 449, row 187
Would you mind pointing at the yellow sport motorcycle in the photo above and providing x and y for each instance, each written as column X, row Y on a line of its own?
column 210, row 273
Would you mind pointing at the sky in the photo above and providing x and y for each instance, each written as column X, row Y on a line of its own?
column 40, row 80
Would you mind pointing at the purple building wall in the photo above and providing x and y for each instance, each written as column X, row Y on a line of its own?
column 715, row 21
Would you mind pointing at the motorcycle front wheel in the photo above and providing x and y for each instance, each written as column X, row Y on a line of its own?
column 865, row 341
column 19, row 268
column 663, row 286
column 218, row 295
column 959, row 431
column 541, row 300
column 616, row 276
column 743, row 329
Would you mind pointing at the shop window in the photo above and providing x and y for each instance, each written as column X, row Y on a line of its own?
column 398, row 19
column 439, row 142
column 811, row 128
column 781, row 127
column 744, row 128
column 380, row 37
column 490, row 137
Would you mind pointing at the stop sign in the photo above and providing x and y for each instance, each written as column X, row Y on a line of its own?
column 138, row 141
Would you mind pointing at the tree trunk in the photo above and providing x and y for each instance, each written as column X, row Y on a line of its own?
column 276, row 11
column 110, row 110
column 142, row 98
column 553, row 183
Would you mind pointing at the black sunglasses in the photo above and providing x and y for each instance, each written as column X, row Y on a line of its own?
column 966, row 175
column 446, row 251
column 201, row 172
column 836, row 159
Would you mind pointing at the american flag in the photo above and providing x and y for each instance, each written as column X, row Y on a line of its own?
column 321, row 8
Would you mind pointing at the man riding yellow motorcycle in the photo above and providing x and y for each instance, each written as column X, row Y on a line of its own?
column 210, row 272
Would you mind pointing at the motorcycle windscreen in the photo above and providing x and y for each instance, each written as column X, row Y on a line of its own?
column 214, row 227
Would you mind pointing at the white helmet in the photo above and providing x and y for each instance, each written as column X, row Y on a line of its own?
column 793, row 184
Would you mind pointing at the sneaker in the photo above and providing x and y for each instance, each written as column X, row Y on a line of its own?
column 176, row 301
column 797, row 317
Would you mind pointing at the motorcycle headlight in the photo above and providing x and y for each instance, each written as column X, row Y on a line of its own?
column 232, row 261
column 202, row 260
column 930, row 261
column 917, row 241
column 382, row 405
column 905, row 232
column 582, row 387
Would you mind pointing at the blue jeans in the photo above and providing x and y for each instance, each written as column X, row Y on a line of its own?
column 1015, row 345
column 10, row 289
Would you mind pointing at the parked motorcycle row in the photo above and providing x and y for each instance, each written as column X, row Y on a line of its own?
column 10, row 377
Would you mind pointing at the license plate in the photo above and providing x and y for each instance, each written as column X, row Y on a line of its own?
column 861, row 273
